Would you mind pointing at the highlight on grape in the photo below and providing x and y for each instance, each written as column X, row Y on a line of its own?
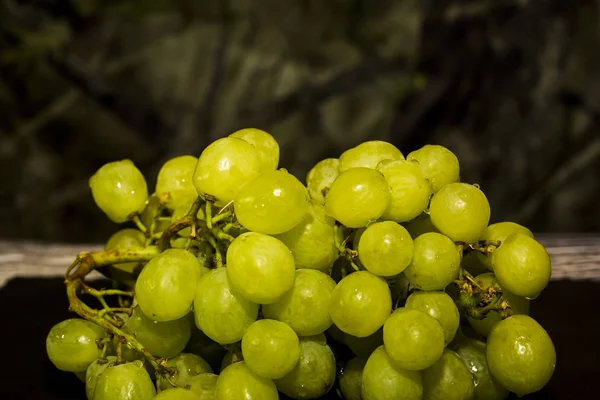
column 376, row 277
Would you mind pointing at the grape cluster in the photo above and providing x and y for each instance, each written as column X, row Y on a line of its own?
column 379, row 278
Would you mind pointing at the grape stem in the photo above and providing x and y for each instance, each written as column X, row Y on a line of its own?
column 189, row 220
column 135, row 218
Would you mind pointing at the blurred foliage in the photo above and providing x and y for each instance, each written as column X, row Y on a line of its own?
column 512, row 86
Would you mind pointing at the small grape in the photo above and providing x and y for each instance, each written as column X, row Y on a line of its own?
column 174, row 182
column 124, row 382
column 176, row 394
column 420, row 225
column 368, row 155
column 119, row 189
column 126, row 239
column 73, row 344
column 265, row 144
column 438, row 164
column 414, row 340
column 351, row 378
column 521, row 355
column 448, row 379
column 365, row 346
column 498, row 232
column 472, row 352
column 238, row 382
column 152, row 211
column 204, row 386
column 440, row 306
column 385, row 248
column 357, row 197
column 186, row 366
column 271, row 203
column 460, row 211
column 360, row 304
column 93, row 372
column 320, row 178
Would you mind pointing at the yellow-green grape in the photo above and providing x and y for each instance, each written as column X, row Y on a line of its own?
column 440, row 306
column 185, row 366
column 522, row 265
column 410, row 190
column 382, row 380
column 420, row 225
column 305, row 307
column 414, row 340
column 357, row 197
column 93, row 372
column 385, row 248
column 439, row 165
column 124, row 382
column 351, row 378
column 312, row 241
column 460, row 211
column 360, row 304
column 271, row 203
column 72, row 345
column 220, row 311
column 473, row 354
column 166, row 286
column 174, row 182
column 178, row 393
column 521, row 355
column 119, row 190
column 238, row 382
column 126, row 239
column 204, row 386
column 265, row 144
column 368, row 155
column 224, row 167
column 151, row 213
column 497, row 233
column 271, row 348
column 320, row 178
column 260, row 267
column 448, row 379
column 314, row 374
column 518, row 305
column 435, row 264
column 363, row 347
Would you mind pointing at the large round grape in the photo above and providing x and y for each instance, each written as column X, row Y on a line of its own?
column 238, row 382
column 414, row 340
column 204, row 386
column 448, row 379
column 435, row 264
column 357, row 197
column 271, row 203
column 265, row 144
column 472, row 352
column 460, row 211
column 72, row 345
column 410, row 191
column 271, row 348
column 368, row 155
column 174, row 184
column 522, row 265
column 224, row 167
column 260, row 267
column 314, row 374
column 381, row 380
column 439, row 165
column 124, row 382
column 94, row 371
column 385, row 248
column 119, row 189
column 440, row 306
column 351, row 379
column 360, row 303
column 220, row 311
column 305, row 307
column 185, row 366
column 178, row 393
column 521, row 355
column 320, row 178
column 498, row 232
column 166, row 287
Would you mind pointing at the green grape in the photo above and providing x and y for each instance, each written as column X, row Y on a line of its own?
column 93, row 372
column 119, row 190
column 413, row 339
column 320, row 178
column 176, row 394
column 420, row 225
column 204, row 386
column 271, row 203
column 220, row 311
column 162, row 339
column 440, row 306
column 305, row 307
column 125, row 239
column 518, row 305
column 368, row 155
column 124, row 382
column 73, row 344
column 497, row 233
column 238, row 382
column 382, row 380
column 436, row 262
column 224, row 167
column 151, row 214
column 357, row 197
column 265, row 144
column 271, row 348
column 351, row 378
column 439, row 165
column 522, row 265
column 385, row 248
column 205, row 347
column 460, row 211
column 410, row 191
column 365, row 346
column 166, row 286
column 260, row 267
column 360, row 304
column 448, row 379
column 185, row 366
column 312, row 241
column 314, row 374
column 472, row 352
column 521, row 355
column 174, row 182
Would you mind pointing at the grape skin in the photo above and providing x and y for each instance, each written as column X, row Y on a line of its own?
column 448, row 379
column 320, row 178
column 440, row 306
column 368, row 155
column 124, row 382
column 128, row 238
column 176, row 394
column 265, row 144
column 385, row 248
column 238, row 382
column 438, row 163
column 204, row 386
column 174, row 182
column 187, row 366
column 72, row 345
column 351, row 379
column 498, row 232
column 93, row 372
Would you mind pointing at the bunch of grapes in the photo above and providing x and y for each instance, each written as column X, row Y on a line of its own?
column 379, row 278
